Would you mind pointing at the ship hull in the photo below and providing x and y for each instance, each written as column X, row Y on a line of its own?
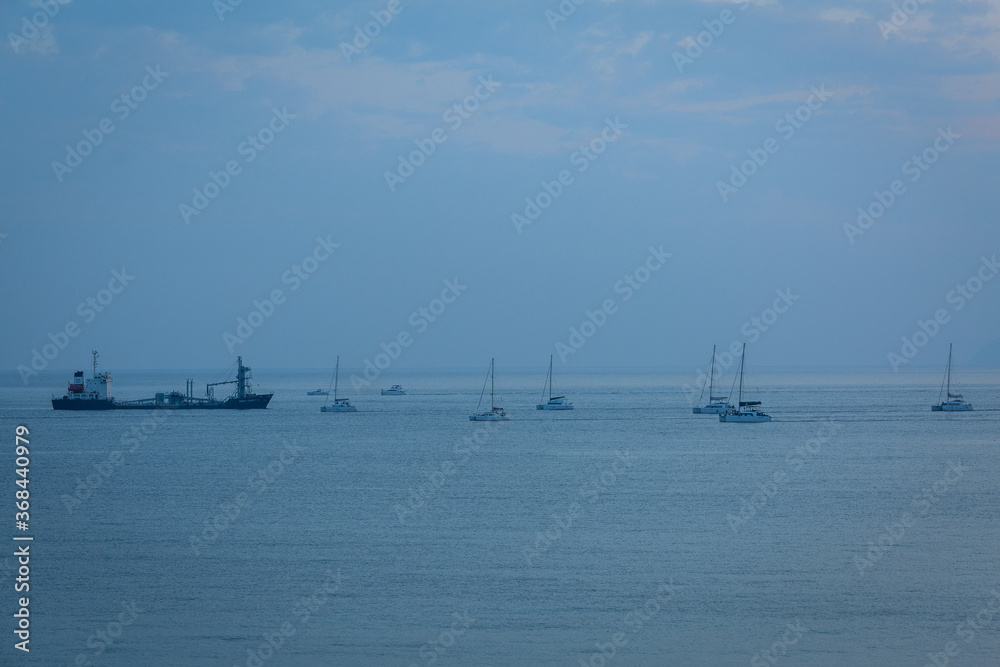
column 82, row 404
column 258, row 402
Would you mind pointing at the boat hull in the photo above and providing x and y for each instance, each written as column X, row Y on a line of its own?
column 711, row 409
column 952, row 408
column 744, row 418
column 256, row 402
column 388, row 392
column 338, row 408
column 82, row 404
column 554, row 406
column 488, row 417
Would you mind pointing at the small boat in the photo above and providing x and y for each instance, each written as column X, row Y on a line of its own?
column 554, row 402
column 318, row 392
column 716, row 404
column 954, row 402
column 339, row 404
column 394, row 390
column 748, row 412
column 494, row 414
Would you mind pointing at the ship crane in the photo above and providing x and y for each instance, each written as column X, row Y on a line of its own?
column 242, row 386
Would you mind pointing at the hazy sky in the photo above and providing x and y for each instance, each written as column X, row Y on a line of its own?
column 623, row 121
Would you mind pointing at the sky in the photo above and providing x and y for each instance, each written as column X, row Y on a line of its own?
column 619, row 183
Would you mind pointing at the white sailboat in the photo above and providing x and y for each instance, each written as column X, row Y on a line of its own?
column 494, row 414
column 716, row 404
column 339, row 404
column 747, row 412
column 954, row 402
column 554, row 402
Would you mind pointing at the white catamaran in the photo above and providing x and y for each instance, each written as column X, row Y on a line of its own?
column 750, row 415
column 494, row 414
column 554, row 402
column 953, row 402
column 716, row 404
column 339, row 404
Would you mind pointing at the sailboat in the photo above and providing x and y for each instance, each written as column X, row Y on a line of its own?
column 750, row 415
column 716, row 404
column 955, row 402
column 555, row 402
column 339, row 404
column 494, row 414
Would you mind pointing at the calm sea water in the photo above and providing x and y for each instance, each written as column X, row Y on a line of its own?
column 537, row 542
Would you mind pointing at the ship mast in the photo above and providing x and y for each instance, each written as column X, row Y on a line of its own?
column 241, row 379
column 550, row 377
column 950, row 345
column 94, row 352
column 711, row 379
column 742, row 361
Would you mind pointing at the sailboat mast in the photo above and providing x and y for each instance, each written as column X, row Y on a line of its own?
column 950, row 345
column 336, row 379
column 711, row 378
column 550, row 377
column 742, row 361
column 492, row 378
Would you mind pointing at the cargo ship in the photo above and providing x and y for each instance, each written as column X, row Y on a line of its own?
column 95, row 394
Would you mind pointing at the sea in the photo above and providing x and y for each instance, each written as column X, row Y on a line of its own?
column 857, row 528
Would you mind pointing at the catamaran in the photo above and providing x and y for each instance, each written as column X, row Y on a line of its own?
column 716, row 404
column 955, row 402
column 750, row 415
column 554, row 402
column 339, row 404
column 494, row 414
